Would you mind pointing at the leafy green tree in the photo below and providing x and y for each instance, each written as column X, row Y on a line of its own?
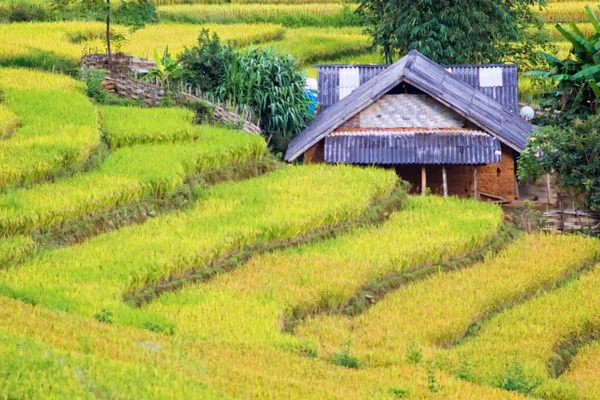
column 456, row 31
column 575, row 88
column 571, row 153
column 132, row 13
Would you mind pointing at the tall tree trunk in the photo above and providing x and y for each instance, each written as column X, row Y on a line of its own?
column 108, row 52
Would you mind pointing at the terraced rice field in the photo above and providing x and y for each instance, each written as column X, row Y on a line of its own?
column 145, row 256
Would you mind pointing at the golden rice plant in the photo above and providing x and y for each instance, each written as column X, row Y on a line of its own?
column 247, row 305
column 8, row 122
column 439, row 311
column 584, row 373
column 58, row 128
column 310, row 45
column 126, row 126
column 567, row 11
column 60, row 45
column 49, row 350
column 233, row 216
column 524, row 340
column 127, row 175
column 14, row 249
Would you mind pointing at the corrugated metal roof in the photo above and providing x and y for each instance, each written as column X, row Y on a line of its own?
column 432, row 79
column 507, row 94
column 385, row 148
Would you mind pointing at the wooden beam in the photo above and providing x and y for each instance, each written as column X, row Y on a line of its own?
column 549, row 187
column 423, row 181
column 475, row 183
column 445, row 180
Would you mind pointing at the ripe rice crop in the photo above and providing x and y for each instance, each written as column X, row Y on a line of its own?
column 309, row 45
column 8, row 122
column 96, row 274
column 14, row 249
column 584, row 374
column 223, row 2
column 567, row 11
column 523, row 340
column 292, row 15
column 126, row 126
column 586, row 28
column 247, row 306
column 60, row 45
column 49, row 349
column 127, row 175
column 58, row 130
column 419, row 314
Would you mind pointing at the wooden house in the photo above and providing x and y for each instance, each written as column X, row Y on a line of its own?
column 451, row 129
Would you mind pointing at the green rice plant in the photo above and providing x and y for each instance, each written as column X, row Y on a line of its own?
column 8, row 122
column 246, row 307
column 59, row 130
column 440, row 310
column 126, row 176
column 126, row 126
column 310, row 45
column 14, row 249
column 286, row 204
column 536, row 335
column 290, row 15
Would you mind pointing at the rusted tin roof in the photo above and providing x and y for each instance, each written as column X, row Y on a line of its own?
column 412, row 146
column 433, row 80
column 505, row 90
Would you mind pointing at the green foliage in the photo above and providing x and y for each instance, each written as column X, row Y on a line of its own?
column 414, row 354
column 168, row 69
column 104, row 316
column 93, row 79
column 203, row 109
column 456, row 32
column 269, row 84
column 571, row 153
column 515, row 379
column 346, row 359
column 204, row 65
column 575, row 81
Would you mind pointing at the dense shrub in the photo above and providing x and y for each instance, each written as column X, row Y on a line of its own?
column 269, row 84
column 572, row 153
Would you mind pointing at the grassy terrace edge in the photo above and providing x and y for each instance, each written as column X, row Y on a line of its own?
column 81, row 229
column 378, row 212
column 377, row 289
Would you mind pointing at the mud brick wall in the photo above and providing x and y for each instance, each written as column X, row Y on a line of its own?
column 405, row 111
column 496, row 179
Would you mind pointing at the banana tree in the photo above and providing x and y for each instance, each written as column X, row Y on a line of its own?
column 576, row 79
column 167, row 69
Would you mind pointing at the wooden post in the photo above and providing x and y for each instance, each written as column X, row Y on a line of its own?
column 549, row 189
column 475, row 188
column 444, row 181
column 423, row 181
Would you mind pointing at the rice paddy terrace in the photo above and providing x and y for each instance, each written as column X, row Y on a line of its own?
column 145, row 256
